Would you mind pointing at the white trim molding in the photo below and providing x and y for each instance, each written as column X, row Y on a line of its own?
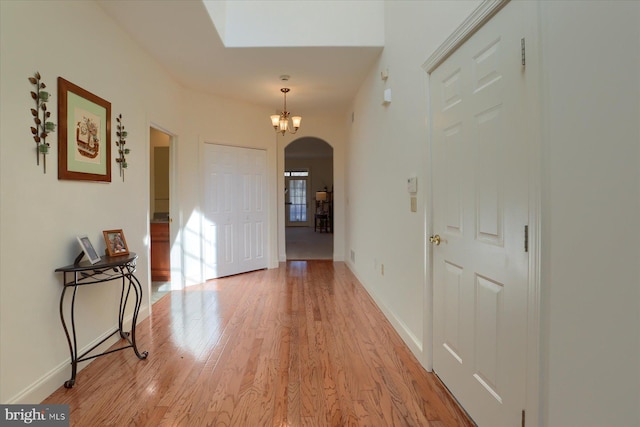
column 475, row 21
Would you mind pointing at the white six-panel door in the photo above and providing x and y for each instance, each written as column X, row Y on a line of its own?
column 480, row 210
column 234, row 224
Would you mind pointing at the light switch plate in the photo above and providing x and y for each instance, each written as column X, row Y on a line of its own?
column 386, row 96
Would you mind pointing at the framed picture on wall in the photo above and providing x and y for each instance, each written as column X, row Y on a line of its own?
column 116, row 243
column 84, row 134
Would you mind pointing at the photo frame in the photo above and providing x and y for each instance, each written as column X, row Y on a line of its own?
column 88, row 249
column 116, row 243
column 84, row 134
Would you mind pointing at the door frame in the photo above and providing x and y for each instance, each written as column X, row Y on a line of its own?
column 481, row 15
column 176, row 254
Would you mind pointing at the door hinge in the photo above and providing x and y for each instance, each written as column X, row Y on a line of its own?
column 523, row 52
column 526, row 238
column 523, row 418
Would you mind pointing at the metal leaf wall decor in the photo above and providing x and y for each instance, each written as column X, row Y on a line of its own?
column 40, row 115
column 121, row 134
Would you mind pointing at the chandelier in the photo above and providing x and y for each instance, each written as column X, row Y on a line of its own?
column 283, row 122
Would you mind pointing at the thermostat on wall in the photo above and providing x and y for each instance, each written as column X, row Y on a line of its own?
column 412, row 184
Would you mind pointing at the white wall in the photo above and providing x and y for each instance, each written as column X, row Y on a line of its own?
column 591, row 214
column 387, row 145
column 590, row 168
column 41, row 216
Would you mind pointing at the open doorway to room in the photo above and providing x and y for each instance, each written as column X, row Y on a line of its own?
column 309, row 199
column 159, row 207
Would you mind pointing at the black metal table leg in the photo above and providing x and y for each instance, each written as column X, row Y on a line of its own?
column 137, row 288
column 73, row 349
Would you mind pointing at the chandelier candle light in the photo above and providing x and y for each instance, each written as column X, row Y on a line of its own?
column 281, row 122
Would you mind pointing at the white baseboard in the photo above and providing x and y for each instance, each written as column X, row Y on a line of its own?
column 55, row 378
column 409, row 338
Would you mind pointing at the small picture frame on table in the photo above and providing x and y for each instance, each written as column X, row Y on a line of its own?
column 88, row 250
column 116, row 243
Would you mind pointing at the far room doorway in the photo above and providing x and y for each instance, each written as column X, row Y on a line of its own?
column 159, row 208
column 308, row 199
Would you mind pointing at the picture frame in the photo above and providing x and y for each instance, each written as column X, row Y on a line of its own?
column 84, row 134
column 88, row 249
column 116, row 243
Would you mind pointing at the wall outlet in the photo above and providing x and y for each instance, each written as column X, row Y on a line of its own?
column 353, row 256
column 382, row 269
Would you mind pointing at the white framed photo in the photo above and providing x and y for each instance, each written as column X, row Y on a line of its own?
column 88, row 249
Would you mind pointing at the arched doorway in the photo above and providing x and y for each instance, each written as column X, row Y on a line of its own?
column 309, row 199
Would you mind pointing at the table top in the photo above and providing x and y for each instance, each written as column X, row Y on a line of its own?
column 105, row 262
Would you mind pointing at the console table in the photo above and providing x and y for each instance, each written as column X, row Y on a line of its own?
column 107, row 269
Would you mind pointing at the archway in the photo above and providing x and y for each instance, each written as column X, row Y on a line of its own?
column 309, row 199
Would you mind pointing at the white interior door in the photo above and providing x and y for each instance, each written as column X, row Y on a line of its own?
column 234, row 227
column 480, row 202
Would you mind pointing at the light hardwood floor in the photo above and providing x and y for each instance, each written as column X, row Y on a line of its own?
column 301, row 345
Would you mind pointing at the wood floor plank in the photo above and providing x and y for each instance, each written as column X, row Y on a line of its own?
column 300, row 345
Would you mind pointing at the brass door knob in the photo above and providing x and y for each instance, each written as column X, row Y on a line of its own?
column 435, row 239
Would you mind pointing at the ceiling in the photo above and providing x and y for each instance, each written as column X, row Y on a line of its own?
column 180, row 36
